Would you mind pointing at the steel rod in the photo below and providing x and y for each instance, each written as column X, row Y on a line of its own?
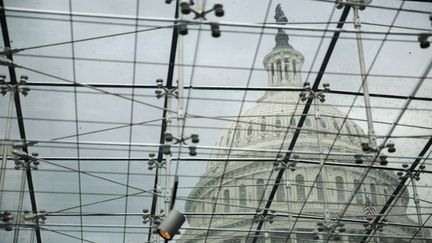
column 418, row 209
column 20, row 205
column 21, row 128
column 371, row 130
column 106, row 226
column 222, row 87
column 323, row 172
column 6, row 145
column 222, row 23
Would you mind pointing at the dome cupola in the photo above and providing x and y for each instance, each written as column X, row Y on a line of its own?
column 283, row 64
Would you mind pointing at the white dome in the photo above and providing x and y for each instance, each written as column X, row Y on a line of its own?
column 260, row 136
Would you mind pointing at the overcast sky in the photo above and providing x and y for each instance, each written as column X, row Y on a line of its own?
column 232, row 49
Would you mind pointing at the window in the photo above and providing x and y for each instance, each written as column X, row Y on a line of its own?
column 323, row 124
column 304, row 238
column 242, row 195
column 358, row 196
column 280, row 194
column 300, row 187
column 249, row 131
column 260, row 190
column 226, row 200
column 336, row 126
column 385, row 195
column 387, row 191
column 214, row 204
column 308, row 122
column 350, row 133
column 373, row 194
column 263, row 125
column 320, row 188
column 238, row 133
column 293, row 121
column 278, row 123
column 294, row 68
column 340, row 189
column 348, row 129
column 232, row 241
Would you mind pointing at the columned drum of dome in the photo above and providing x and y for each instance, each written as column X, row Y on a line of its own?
column 269, row 126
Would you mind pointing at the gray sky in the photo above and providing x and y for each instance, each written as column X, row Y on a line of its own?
column 232, row 49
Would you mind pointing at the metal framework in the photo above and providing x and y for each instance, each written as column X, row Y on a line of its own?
column 111, row 168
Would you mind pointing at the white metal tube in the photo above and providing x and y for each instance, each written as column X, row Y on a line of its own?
column 289, row 195
column 20, row 206
column 5, row 144
column 371, row 130
column 323, row 170
column 418, row 209
column 180, row 87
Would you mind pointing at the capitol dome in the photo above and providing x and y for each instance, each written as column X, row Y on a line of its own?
column 261, row 136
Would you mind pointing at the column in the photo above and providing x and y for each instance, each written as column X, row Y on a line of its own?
column 290, row 71
column 294, row 76
column 269, row 74
column 283, row 69
column 297, row 72
column 276, row 76
column 278, row 64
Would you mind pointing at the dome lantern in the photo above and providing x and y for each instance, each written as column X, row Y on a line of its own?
column 283, row 63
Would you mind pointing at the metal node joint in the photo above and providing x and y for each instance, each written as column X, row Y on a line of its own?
column 154, row 219
column 6, row 217
column 285, row 163
column 19, row 87
column 167, row 196
column 153, row 163
column 168, row 136
column 367, row 148
column 423, row 40
column 185, row 6
column 36, row 218
column 371, row 226
column 410, row 174
column 360, row 4
column 23, row 160
column 260, row 217
column 329, row 228
column 8, row 51
column 164, row 91
column 359, row 158
column 389, row 145
column 308, row 93
column 423, row 37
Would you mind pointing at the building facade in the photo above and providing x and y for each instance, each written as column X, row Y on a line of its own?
column 262, row 132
